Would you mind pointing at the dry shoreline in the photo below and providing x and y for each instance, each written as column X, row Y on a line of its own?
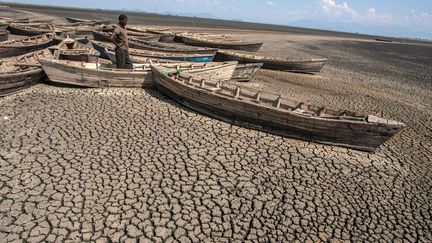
column 119, row 164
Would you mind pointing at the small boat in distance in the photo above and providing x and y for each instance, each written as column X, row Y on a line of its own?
column 275, row 63
column 275, row 114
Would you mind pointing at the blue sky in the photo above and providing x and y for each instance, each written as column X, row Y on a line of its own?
column 387, row 17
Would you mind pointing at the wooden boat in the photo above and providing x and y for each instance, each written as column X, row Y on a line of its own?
column 4, row 35
column 21, row 72
column 104, row 75
column 105, row 36
column 3, row 26
column 100, row 46
column 165, row 47
column 278, row 115
column 78, row 28
column 245, row 72
column 274, row 63
column 220, row 42
column 78, row 20
column 70, row 49
column 18, row 47
column 166, row 35
column 31, row 30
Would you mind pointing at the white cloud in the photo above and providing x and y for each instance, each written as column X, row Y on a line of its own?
column 270, row 3
column 373, row 16
column 333, row 8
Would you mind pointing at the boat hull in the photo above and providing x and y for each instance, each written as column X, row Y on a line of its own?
column 232, row 46
column 8, row 51
column 15, row 30
column 13, row 83
column 361, row 136
column 4, row 35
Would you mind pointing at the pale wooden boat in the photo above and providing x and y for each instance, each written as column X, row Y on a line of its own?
column 78, row 28
column 275, row 114
column 30, row 30
column 275, row 63
column 4, row 35
column 70, row 49
column 245, row 72
column 166, row 47
column 184, row 57
column 18, row 47
column 21, row 72
column 105, row 75
column 220, row 42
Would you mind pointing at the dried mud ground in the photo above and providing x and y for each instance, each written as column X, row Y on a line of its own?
column 113, row 165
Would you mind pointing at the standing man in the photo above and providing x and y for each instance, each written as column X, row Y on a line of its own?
column 120, row 39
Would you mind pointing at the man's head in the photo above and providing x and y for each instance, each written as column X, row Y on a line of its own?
column 123, row 20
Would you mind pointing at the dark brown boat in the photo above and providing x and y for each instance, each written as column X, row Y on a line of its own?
column 275, row 114
column 4, row 35
column 30, row 30
column 274, row 63
column 21, row 72
column 17, row 47
column 220, row 42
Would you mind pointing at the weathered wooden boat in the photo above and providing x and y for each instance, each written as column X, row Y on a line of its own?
column 3, row 26
column 29, row 30
column 70, row 49
column 166, row 35
column 274, row 63
column 185, row 57
column 220, row 42
column 21, row 72
column 4, row 35
column 105, row 75
column 245, row 72
column 78, row 28
column 275, row 114
column 105, row 36
column 17, row 47
column 166, row 47
column 78, row 20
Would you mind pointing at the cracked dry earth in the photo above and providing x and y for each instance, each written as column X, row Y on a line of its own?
column 128, row 164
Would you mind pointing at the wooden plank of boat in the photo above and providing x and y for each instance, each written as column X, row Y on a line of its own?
column 70, row 49
column 275, row 114
column 274, row 63
column 18, row 47
column 158, row 55
column 165, row 47
column 245, row 72
column 29, row 30
column 221, row 43
column 4, row 35
column 21, row 72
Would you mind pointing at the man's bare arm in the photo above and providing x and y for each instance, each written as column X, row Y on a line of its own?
column 112, row 38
